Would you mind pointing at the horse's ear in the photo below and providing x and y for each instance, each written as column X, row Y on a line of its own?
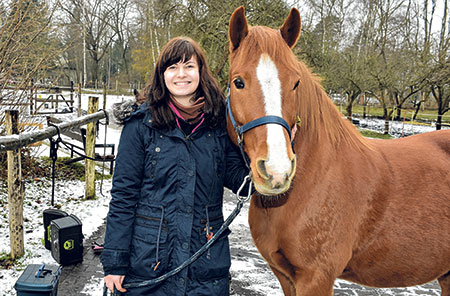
column 291, row 28
column 238, row 28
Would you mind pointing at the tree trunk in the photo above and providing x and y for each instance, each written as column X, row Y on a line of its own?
column 439, row 117
column 417, row 110
column 349, row 110
column 399, row 113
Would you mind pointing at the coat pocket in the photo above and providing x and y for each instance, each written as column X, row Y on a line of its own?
column 215, row 262
column 149, row 245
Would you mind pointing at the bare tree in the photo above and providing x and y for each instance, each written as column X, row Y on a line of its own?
column 121, row 24
column 25, row 27
column 93, row 17
column 440, row 80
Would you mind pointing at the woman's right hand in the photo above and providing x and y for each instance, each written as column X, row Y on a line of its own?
column 114, row 280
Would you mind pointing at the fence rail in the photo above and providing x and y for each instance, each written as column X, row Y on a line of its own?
column 12, row 142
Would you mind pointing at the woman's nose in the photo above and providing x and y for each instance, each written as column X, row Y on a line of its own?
column 181, row 72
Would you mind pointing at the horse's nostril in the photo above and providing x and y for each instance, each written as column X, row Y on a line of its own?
column 261, row 165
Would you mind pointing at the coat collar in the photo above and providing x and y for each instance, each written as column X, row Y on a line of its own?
column 144, row 112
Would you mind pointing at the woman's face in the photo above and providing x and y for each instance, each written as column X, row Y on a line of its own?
column 182, row 79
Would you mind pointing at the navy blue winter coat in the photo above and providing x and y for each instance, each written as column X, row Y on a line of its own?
column 167, row 189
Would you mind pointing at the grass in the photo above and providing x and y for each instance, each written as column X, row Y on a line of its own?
column 6, row 261
column 38, row 168
column 70, row 171
column 373, row 134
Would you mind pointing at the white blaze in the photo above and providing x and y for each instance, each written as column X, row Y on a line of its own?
column 277, row 158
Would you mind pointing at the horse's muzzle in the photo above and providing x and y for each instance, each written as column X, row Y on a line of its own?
column 273, row 182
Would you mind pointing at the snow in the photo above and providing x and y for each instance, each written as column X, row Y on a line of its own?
column 68, row 194
column 248, row 269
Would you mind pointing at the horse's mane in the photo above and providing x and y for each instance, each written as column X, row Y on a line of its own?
column 314, row 107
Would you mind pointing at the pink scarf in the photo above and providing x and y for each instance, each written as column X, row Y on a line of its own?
column 191, row 114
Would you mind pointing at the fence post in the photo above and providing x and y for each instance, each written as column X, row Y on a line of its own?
column 31, row 98
column 79, row 99
column 104, row 96
column 71, row 96
column 90, row 151
column 15, row 189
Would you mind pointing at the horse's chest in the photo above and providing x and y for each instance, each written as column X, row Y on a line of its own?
column 265, row 229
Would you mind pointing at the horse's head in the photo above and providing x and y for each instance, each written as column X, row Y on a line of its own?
column 263, row 82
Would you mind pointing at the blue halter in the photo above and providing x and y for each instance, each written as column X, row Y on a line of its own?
column 241, row 129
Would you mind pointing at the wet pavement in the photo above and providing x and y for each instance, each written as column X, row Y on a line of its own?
column 74, row 277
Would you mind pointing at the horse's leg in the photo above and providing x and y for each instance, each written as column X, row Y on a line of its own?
column 286, row 284
column 313, row 283
column 301, row 281
column 444, row 281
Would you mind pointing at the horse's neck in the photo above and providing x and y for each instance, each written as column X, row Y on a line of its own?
column 323, row 126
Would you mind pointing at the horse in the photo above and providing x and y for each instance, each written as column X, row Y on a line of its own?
column 375, row 212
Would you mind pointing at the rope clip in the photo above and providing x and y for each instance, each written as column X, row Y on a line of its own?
column 247, row 178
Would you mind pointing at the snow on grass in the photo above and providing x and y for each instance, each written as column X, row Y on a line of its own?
column 68, row 194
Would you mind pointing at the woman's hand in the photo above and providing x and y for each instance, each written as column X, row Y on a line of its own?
column 114, row 280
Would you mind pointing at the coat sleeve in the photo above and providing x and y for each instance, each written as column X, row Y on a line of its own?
column 236, row 170
column 125, row 193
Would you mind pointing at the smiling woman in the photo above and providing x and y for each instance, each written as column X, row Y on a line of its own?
column 174, row 159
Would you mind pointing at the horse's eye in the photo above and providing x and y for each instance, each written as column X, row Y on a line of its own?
column 296, row 84
column 239, row 83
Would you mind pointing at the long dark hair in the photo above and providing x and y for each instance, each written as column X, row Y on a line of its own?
column 181, row 49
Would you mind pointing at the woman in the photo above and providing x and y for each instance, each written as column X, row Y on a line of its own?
column 174, row 159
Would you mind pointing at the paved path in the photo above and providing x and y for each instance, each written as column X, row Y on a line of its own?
column 74, row 278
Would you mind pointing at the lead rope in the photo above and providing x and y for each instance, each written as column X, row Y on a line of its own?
column 196, row 255
column 54, row 144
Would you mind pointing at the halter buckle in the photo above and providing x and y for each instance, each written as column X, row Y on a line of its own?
column 240, row 138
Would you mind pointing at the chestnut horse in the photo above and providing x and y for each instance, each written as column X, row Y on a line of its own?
column 375, row 212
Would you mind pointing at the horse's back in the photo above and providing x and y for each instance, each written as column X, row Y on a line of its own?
column 426, row 154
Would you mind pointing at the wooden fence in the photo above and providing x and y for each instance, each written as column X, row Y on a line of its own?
column 45, row 100
column 14, row 141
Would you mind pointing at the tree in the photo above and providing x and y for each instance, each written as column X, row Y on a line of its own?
column 27, row 47
column 120, row 23
column 204, row 21
column 93, row 18
column 26, row 52
column 440, row 80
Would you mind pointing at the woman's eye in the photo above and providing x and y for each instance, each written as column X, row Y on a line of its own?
column 296, row 84
column 239, row 83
